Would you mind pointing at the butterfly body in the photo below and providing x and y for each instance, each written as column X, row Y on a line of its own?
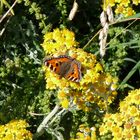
column 65, row 66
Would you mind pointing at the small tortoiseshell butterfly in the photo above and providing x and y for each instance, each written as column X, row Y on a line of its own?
column 65, row 66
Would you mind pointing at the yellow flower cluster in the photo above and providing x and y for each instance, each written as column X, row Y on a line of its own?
column 85, row 133
column 95, row 86
column 15, row 130
column 58, row 41
column 122, row 6
column 126, row 123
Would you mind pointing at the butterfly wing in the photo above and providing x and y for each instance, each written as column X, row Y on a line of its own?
column 74, row 73
column 65, row 66
column 57, row 64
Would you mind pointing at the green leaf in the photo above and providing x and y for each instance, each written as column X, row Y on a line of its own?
column 129, row 75
column 130, row 60
column 7, row 5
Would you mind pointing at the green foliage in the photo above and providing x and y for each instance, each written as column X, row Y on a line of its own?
column 20, row 69
column 5, row 4
column 123, row 53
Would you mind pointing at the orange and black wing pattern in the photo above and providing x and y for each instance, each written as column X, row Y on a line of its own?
column 65, row 66
column 55, row 63
column 74, row 74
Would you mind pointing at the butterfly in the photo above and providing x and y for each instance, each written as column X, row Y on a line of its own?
column 65, row 66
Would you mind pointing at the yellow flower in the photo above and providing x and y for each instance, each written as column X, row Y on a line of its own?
column 98, row 67
column 113, row 87
column 15, row 130
column 128, row 134
column 120, row 9
column 102, row 130
column 115, row 129
column 57, row 35
column 110, row 123
column 123, row 107
column 124, row 2
column 9, row 137
column 87, row 130
column 68, row 35
column 107, row 116
column 58, row 41
column 133, row 111
column 129, row 12
column 93, row 133
column 65, row 103
column 61, row 94
column 87, row 138
column 123, row 7
column 118, row 119
column 48, row 37
column 85, row 133
column 108, row 79
column 114, row 93
column 134, row 97
column 137, row 125
column 109, row 3
column 80, row 135
column 128, row 126
column 125, row 124
column 92, row 88
column 136, row 2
